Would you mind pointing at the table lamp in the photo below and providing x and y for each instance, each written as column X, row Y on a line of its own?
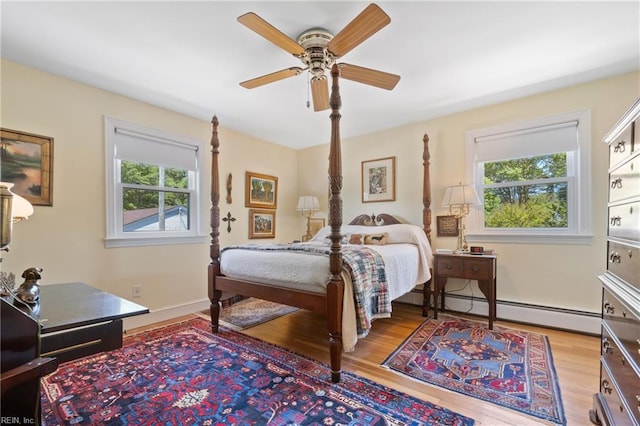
column 458, row 199
column 307, row 205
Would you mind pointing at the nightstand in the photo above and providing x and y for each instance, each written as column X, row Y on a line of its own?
column 481, row 268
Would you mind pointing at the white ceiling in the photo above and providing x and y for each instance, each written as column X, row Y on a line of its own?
column 452, row 56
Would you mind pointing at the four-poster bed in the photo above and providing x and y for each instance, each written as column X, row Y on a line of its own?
column 332, row 301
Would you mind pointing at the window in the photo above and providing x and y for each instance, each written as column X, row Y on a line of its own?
column 153, row 181
column 533, row 179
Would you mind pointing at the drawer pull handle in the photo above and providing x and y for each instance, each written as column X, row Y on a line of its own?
column 638, row 400
column 606, row 346
column 475, row 268
column 616, row 221
column 620, row 147
column 608, row 307
column 623, row 361
column 630, row 254
column 606, row 387
column 614, row 257
column 616, row 183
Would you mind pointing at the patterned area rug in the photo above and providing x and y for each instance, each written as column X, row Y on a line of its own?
column 249, row 312
column 508, row 367
column 183, row 374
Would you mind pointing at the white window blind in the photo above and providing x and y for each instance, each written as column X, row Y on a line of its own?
column 533, row 142
column 149, row 149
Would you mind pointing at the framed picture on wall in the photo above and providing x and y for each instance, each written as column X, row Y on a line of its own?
column 378, row 180
column 261, row 191
column 27, row 162
column 262, row 223
column 447, row 226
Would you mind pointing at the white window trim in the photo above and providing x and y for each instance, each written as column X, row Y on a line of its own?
column 581, row 230
column 114, row 236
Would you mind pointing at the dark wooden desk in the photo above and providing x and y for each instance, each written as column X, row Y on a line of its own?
column 465, row 266
column 78, row 320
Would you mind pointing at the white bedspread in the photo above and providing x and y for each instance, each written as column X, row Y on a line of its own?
column 407, row 256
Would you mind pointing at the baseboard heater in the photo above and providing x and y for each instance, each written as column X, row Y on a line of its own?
column 539, row 315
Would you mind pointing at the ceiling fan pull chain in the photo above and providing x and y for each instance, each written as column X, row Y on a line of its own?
column 308, row 90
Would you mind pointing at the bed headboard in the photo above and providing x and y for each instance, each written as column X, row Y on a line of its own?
column 375, row 220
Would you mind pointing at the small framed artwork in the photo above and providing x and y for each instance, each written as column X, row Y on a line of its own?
column 447, row 226
column 315, row 224
column 262, row 223
column 27, row 162
column 378, row 180
column 261, row 191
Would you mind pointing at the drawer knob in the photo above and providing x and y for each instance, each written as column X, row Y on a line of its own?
column 616, row 183
column 606, row 346
column 606, row 387
column 623, row 361
column 615, row 221
column 448, row 266
column 475, row 268
column 630, row 254
column 614, row 257
column 620, row 146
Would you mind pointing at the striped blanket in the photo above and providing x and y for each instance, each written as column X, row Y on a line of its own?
column 366, row 268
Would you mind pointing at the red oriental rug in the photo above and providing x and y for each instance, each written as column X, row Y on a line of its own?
column 183, row 374
column 508, row 367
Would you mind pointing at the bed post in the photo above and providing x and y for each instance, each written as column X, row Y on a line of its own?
column 214, row 249
column 426, row 216
column 335, row 287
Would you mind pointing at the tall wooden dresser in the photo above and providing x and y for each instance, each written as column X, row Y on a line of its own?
column 618, row 402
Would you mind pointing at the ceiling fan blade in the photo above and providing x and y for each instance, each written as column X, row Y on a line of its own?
column 363, row 26
column 271, row 33
column 270, row 78
column 320, row 93
column 368, row 76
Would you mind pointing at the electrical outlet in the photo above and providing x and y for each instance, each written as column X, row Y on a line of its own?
column 137, row 290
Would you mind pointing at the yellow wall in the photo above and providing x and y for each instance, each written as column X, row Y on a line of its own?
column 555, row 275
column 67, row 240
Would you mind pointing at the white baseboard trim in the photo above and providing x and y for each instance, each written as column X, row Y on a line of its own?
column 564, row 319
column 165, row 314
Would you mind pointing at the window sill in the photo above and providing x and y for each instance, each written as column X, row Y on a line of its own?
column 573, row 239
column 152, row 241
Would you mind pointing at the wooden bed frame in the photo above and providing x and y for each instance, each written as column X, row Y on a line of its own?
column 329, row 304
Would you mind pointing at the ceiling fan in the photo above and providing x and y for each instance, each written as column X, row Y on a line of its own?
column 318, row 50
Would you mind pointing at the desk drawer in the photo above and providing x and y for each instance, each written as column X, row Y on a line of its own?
column 449, row 266
column 78, row 342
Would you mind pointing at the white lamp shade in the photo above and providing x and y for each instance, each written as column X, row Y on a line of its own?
column 308, row 203
column 20, row 208
column 460, row 195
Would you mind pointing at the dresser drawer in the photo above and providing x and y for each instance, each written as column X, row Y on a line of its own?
column 624, row 221
column 620, row 411
column 624, row 181
column 627, row 381
column 622, row 322
column 621, row 147
column 449, row 266
column 624, row 261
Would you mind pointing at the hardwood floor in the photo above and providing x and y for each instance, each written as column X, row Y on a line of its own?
column 576, row 359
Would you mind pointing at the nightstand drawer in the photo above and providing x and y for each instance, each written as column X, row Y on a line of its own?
column 449, row 266
column 478, row 269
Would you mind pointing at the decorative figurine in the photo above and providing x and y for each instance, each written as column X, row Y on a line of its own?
column 29, row 290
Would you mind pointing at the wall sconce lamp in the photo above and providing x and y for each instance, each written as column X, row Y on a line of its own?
column 13, row 209
column 307, row 205
column 458, row 199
